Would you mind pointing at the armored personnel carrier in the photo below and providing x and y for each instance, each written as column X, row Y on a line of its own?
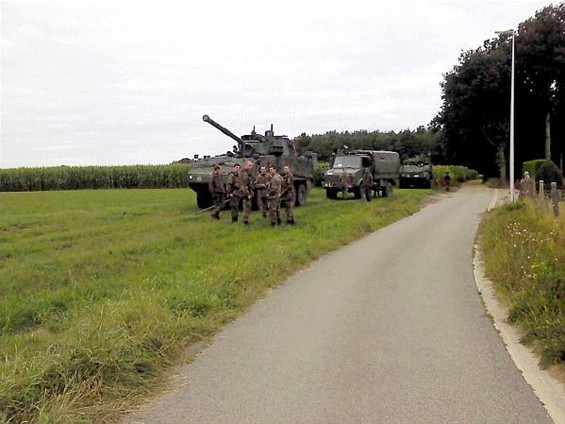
column 383, row 165
column 267, row 150
column 417, row 172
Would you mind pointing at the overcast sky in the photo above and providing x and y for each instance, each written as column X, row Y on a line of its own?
column 120, row 82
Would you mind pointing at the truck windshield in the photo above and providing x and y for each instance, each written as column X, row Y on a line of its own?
column 347, row 162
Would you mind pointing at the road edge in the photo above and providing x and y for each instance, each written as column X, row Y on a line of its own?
column 549, row 390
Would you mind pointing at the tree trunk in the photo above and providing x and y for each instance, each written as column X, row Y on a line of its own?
column 547, row 137
column 501, row 161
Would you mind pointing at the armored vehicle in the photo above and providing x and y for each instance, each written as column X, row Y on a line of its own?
column 268, row 150
column 383, row 165
column 416, row 171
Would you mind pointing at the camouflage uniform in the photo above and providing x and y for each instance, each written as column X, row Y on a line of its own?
column 344, row 183
column 274, row 196
column 234, row 191
column 368, row 184
column 218, row 191
column 288, row 194
column 447, row 181
column 261, row 183
column 246, row 185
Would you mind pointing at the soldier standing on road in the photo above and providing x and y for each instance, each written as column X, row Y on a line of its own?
column 274, row 196
column 368, row 184
column 246, row 180
column 447, row 181
column 261, row 182
column 234, row 191
column 218, row 191
column 288, row 194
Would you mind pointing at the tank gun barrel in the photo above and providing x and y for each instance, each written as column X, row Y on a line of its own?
column 227, row 132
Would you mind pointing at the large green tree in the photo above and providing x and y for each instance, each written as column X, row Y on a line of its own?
column 476, row 97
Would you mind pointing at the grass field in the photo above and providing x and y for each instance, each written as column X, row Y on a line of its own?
column 101, row 290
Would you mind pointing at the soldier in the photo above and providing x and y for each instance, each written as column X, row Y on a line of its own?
column 246, row 180
column 368, row 184
column 261, row 182
column 288, row 194
column 447, row 181
column 274, row 196
column 344, row 183
column 526, row 185
column 234, row 191
column 218, row 191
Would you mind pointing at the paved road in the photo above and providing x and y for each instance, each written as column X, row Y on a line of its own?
column 390, row 329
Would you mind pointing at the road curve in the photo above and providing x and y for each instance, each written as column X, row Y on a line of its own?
column 389, row 329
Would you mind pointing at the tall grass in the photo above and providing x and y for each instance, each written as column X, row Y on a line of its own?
column 526, row 262
column 102, row 290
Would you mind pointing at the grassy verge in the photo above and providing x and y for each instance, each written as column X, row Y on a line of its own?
column 100, row 291
column 526, row 262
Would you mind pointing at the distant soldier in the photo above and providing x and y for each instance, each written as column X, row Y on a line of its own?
column 344, row 183
column 218, row 191
column 261, row 182
column 274, row 196
column 447, row 181
column 246, row 180
column 234, row 191
column 368, row 184
column 288, row 194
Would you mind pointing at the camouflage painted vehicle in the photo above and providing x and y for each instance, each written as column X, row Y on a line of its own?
column 416, row 171
column 383, row 165
column 268, row 149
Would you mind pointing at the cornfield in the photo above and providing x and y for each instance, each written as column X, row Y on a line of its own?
column 93, row 177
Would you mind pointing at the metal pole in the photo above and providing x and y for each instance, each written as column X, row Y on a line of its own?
column 512, row 126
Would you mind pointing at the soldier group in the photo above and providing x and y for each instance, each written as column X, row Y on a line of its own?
column 272, row 190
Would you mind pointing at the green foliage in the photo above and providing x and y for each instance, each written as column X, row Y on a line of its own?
column 407, row 143
column 549, row 172
column 475, row 113
column 546, row 170
column 93, row 177
column 459, row 174
column 100, row 290
column 532, row 167
column 526, row 262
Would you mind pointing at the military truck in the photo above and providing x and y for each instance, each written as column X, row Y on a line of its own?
column 268, row 150
column 383, row 165
column 416, row 171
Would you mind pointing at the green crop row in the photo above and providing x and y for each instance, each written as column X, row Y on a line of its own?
column 93, row 177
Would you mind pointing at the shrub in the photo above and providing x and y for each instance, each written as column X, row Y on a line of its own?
column 542, row 169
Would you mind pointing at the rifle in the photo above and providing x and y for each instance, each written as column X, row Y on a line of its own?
column 210, row 208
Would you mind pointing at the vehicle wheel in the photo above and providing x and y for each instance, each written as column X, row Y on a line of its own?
column 357, row 192
column 331, row 194
column 301, row 195
column 204, row 199
column 388, row 190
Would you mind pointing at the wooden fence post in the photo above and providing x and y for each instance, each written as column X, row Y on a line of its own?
column 555, row 196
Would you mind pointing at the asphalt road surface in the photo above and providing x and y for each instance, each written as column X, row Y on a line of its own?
column 389, row 329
